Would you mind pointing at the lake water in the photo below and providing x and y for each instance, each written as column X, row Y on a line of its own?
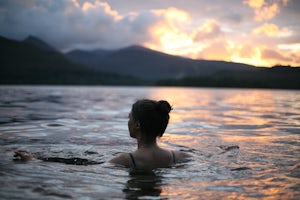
column 90, row 123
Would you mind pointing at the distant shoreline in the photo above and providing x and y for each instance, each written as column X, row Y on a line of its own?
column 140, row 86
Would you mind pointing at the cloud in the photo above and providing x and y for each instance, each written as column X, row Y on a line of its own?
column 266, row 12
column 271, row 30
column 73, row 24
column 274, row 55
column 216, row 51
column 245, row 52
column 265, row 9
column 292, row 51
column 170, row 32
column 98, row 5
column 197, row 29
column 212, row 40
column 261, row 55
column 281, row 58
column 255, row 3
column 293, row 47
column 211, row 29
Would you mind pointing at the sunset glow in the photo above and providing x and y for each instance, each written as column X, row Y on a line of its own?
column 257, row 32
column 211, row 41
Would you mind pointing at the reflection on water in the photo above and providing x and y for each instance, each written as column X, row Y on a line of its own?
column 245, row 143
column 143, row 184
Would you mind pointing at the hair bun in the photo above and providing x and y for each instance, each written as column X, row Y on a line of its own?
column 164, row 107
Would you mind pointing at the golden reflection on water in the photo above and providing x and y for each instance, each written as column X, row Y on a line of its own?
column 202, row 119
column 221, row 109
column 183, row 100
column 228, row 189
column 243, row 103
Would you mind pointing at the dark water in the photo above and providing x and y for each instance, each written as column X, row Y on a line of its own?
column 245, row 143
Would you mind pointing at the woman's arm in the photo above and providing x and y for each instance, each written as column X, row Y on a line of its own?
column 24, row 155
column 181, row 156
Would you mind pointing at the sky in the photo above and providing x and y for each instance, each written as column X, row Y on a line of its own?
column 256, row 32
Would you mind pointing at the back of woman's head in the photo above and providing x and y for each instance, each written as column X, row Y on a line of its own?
column 153, row 116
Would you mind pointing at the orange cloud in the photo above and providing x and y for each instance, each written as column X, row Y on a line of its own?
column 293, row 47
column 88, row 6
column 292, row 51
column 270, row 54
column 266, row 12
column 254, row 3
column 281, row 57
column 247, row 53
column 216, row 51
column 260, row 55
column 271, row 30
column 170, row 34
column 173, row 16
column 210, row 30
column 264, row 9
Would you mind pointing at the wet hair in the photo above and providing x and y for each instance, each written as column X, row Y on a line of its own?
column 153, row 116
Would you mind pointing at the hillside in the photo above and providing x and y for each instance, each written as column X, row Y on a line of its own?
column 88, row 58
column 39, row 43
column 277, row 77
column 34, row 62
column 148, row 64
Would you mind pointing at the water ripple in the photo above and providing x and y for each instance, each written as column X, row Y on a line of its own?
column 245, row 143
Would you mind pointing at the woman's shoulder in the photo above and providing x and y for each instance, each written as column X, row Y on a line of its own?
column 137, row 159
column 122, row 159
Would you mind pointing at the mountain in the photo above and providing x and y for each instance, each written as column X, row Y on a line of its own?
column 277, row 77
column 33, row 62
column 88, row 58
column 39, row 43
column 149, row 64
column 168, row 70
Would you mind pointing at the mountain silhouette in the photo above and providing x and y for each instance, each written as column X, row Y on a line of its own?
column 277, row 77
column 34, row 62
column 88, row 58
column 145, row 63
column 39, row 43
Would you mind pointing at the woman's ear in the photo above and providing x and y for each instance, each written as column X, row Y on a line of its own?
column 137, row 125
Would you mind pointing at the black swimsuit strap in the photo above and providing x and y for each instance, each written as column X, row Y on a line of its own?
column 173, row 156
column 132, row 160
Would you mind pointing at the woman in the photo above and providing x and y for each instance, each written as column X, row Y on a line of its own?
column 148, row 120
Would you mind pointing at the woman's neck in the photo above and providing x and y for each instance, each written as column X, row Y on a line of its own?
column 146, row 144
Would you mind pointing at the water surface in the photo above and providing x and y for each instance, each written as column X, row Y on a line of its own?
column 91, row 123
